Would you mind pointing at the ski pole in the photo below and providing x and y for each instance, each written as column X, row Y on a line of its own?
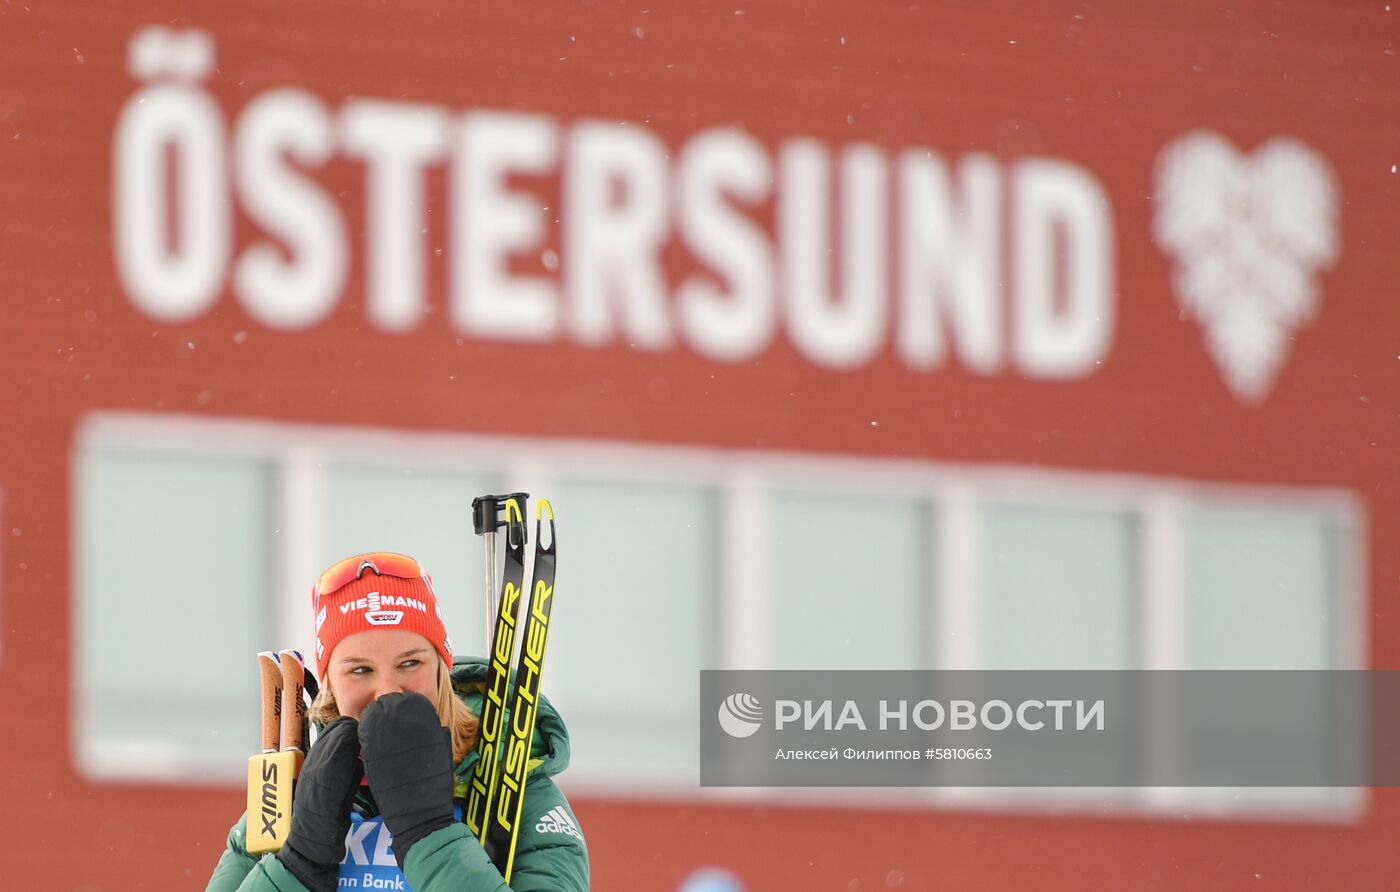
column 486, row 518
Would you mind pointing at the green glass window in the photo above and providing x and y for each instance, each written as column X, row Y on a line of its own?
column 173, row 583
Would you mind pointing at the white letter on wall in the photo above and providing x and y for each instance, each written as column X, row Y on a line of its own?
column 396, row 140
column 489, row 223
column 279, row 126
column 176, row 282
column 738, row 323
column 1054, row 197
column 612, row 261
column 845, row 330
column 949, row 263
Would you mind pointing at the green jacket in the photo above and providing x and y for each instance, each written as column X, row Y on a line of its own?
column 551, row 855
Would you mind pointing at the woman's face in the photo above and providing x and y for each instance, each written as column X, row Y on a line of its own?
column 367, row 665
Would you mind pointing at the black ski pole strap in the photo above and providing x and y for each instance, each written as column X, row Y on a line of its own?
column 488, row 512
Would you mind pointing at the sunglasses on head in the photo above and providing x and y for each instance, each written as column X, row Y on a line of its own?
column 381, row 563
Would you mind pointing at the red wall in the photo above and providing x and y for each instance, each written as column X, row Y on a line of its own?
column 1103, row 88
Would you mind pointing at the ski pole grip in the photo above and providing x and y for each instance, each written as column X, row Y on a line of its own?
column 487, row 511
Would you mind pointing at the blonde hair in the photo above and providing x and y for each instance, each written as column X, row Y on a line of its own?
column 451, row 711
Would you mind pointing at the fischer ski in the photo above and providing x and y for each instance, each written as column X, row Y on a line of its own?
column 497, row 792
column 503, row 830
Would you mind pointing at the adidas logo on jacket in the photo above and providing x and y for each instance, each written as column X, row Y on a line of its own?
column 556, row 820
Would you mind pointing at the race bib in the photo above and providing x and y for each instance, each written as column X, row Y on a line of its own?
column 369, row 858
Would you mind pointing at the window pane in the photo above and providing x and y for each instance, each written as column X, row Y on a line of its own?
column 850, row 582
column 636, row 589
column 1056, row 589
column 174, row 601
column 423, row 513
column 1259, row 590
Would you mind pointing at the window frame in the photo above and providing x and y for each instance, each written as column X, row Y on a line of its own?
column 744, row 483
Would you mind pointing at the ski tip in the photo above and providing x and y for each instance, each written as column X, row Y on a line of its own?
column 517, row 534
column 513, row 510
column 540, row 511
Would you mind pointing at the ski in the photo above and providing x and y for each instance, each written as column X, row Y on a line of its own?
column 503, row 829
column 486, row 778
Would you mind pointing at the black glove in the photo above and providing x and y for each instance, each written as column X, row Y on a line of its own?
column 321, row 806
column 408, row 760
